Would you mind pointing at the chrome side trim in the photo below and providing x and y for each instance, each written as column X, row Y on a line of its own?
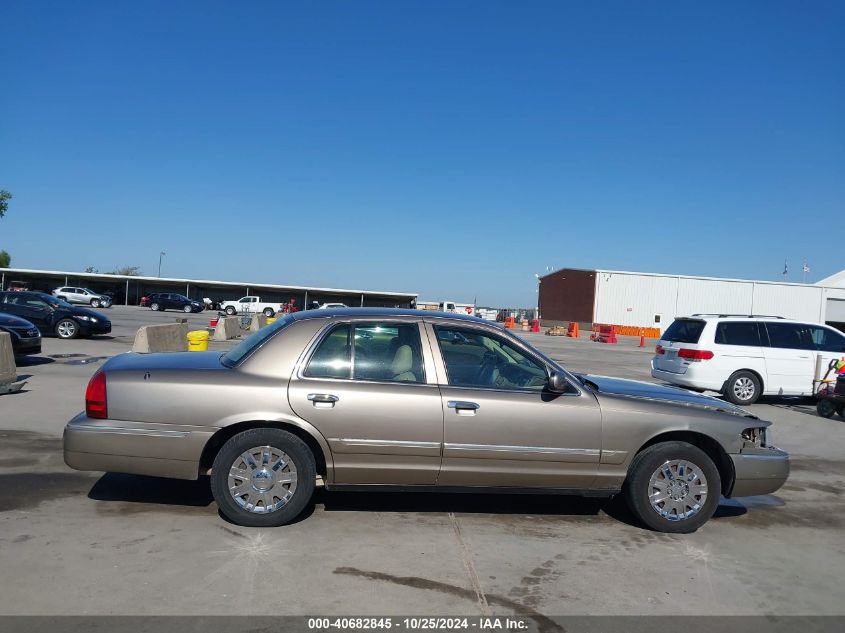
column 130, row 431
column 589, row 452
column 384, row 443
column 613, row 457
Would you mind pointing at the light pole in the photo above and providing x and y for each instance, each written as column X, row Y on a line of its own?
column 160, row 255
column 537, row 313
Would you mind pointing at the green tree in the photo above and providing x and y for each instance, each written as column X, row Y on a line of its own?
column 5, row 259
column 128, row 271
column 5, row 196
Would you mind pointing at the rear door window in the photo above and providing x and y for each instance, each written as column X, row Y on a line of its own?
column 684, row 331
column 333, row 359
column 790, row 336
column 738, row 333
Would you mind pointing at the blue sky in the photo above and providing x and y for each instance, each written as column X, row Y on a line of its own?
column 449, row 148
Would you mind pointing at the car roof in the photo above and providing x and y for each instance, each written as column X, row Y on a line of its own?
column 375, row 313
column 750, row 317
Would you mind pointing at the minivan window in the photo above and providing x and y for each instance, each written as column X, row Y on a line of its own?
column 790, row 336
column 827, row 340
column 684, row 331
column 738, row 333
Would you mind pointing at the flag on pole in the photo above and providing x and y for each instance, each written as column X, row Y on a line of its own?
column 785, row 268
column 806, row 268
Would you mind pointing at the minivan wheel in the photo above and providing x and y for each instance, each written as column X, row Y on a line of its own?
column 742, row 388
column 67, row 328
column 673, row 487
column 263, row 477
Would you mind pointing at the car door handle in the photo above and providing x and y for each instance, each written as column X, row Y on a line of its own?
column 463, row 405
column 318, row 399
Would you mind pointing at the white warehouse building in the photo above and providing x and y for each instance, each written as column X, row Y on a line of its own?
column 653, row 300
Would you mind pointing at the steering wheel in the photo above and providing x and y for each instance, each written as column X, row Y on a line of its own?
column 489, row 362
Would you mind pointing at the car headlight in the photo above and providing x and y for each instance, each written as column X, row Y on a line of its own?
column 83, row 317
column 756, row 437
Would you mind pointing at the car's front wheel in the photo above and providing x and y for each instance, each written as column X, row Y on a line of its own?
column 742, row 388
column 187, row 309
column 263, row 477
column 673, row 487
column 155, row 307
column 95, row 303
column 67, row 328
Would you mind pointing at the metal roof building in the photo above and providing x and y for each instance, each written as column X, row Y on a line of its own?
column 129, row 289
column 653, row 300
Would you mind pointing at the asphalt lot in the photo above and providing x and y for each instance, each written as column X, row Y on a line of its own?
column 88, row 543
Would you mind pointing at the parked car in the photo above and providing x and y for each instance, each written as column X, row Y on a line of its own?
column 26, row 339
column 745, row 356
column 54, row 316
column 324, row 306
column 391, row 399
column 172, row 301
column 17, row 286
column 251, row 304
column 73, row 294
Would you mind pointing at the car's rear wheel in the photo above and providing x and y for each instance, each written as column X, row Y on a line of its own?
column 263, row 477
column 673, row 487
column 67, row 328
column 268, row 312
column 155, row 307
column 187, row 309
column 230, row 311
column 826, row 408
column 742, row 388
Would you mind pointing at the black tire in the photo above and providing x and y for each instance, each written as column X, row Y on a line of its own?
column 229, row 455
column 67, row 329
column 95, row 303
column 231, row 311
column 187, row 309
column 826, row 408
column 742, row 388
column 268, row 312
column 155, row 307
column 638, row 486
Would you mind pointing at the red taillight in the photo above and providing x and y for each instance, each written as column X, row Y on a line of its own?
column 96, row 405
column 659, row 350
column 695, row 354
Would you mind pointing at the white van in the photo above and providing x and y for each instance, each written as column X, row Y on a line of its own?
column 745, row 356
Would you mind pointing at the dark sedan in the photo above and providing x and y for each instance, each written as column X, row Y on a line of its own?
column 26, row 339
column 52, row 316
column 172, row 301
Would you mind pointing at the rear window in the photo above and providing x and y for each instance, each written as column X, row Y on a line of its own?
column 254, row 341
column 738, row 333
column 684, row 331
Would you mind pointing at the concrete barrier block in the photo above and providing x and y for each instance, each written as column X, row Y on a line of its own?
column 227, row 328
column 8, row 369
column 161, row 338
column 258, row 321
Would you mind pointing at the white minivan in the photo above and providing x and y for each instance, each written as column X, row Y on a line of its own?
column 744, row 357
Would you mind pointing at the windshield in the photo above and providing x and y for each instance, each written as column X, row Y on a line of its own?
column 254, row 341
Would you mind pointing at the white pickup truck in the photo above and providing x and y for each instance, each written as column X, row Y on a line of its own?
column 250, row 305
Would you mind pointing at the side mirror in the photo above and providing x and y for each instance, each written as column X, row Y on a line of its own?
column 558, row 383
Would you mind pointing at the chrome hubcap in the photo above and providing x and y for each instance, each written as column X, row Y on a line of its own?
column 262, row 479
column 677, row 490
column 744, row 388
column 66, row 328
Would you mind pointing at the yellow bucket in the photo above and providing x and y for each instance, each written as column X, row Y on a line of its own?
column 270, row 320
column 198, row 341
